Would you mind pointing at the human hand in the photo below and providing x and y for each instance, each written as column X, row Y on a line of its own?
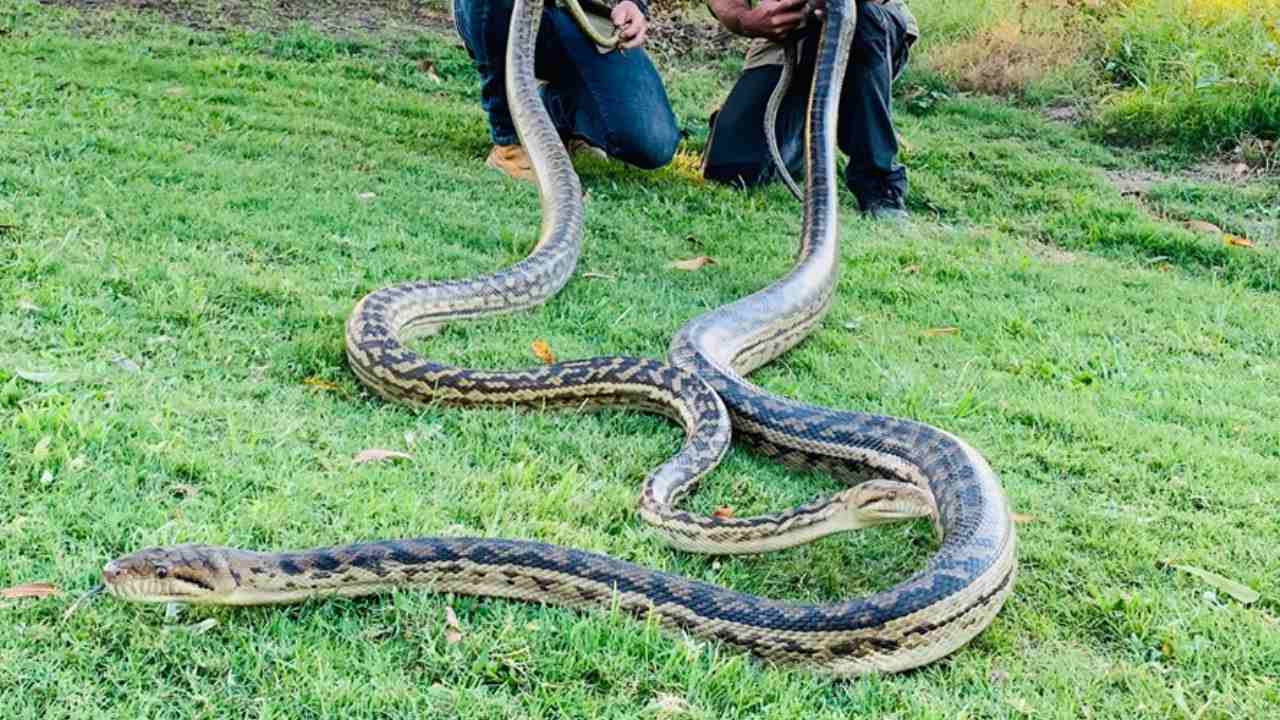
column 774, row 19
column 633, row 28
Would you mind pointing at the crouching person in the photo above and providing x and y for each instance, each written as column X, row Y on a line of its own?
column 737, row 151
column 603, row 103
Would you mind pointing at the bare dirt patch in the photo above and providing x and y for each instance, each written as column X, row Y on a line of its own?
column 330, row 16
column 674, row 32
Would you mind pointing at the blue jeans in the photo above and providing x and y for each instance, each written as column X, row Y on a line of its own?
column 614, row 101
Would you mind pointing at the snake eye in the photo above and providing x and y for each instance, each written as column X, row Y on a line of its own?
column 162, row 572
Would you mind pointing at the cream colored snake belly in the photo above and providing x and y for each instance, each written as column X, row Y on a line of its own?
column 920, row 470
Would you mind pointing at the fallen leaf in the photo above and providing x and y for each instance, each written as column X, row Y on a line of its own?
column 598, row 276
column 669, row 705
column 1243, row 593
column 1240, row 168
column 940, row 331
column 321, row 384
column 1237, row 241
column 1021, row 706
column 30, row 590
column 124, row 363
column 453, row 629
column 429, row 69
column 378, row 455
column 366, row 196
column 723, row 513
column 693, row 263
column 543, row 352
column 28, row 306
column 911, row 269
column 203, row 626
column 1202, row 226
column 184, row 490
column 41, row 450
column 1021, row 519
column 42, row 377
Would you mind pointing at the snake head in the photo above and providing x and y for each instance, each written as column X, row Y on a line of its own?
column 877, row 502
column 182, row 573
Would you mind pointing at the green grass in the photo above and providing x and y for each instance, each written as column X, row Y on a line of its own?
column 1199, row 75
column 191, row 202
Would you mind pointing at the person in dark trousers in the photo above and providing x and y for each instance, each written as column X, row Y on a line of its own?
column 604, row 103
column 737, row 151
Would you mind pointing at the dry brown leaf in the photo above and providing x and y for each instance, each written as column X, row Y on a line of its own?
column 911, row 269
column 453, row 631
column 1237, row 241
column 1243, row 593
column 669, row 705
column 691, row 264
column 429, row 69
column 542, row 351
column 723, row 513
column 203, row 626
column 321, row 384
column 125, row 363
column 41, row 450
column 598, row 276
column 378, row 455
column 184, row 490
column 1201, row 226
column 1021, row 519
column 30, row 590
column 940, row 331
column 1021, row 706
column 42, row 377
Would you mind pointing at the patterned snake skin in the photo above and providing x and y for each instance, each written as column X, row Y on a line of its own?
column 921, row 470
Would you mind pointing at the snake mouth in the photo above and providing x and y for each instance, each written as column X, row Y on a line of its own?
column 158, row 575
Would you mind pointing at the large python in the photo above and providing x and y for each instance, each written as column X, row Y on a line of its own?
column 924, row 471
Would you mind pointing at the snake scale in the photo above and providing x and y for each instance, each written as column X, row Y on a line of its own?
column 917, row 470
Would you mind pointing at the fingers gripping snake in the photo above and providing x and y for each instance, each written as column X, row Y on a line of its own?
column 930, row 472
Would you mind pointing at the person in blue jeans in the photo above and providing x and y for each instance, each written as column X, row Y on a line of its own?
column 610, row 103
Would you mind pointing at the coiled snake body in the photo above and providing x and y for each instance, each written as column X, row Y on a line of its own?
column 929, row 472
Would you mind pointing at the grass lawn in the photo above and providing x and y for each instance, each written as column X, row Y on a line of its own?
column 186, row 218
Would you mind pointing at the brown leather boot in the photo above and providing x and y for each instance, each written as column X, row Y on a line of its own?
column 577, row 146
column 512, row 160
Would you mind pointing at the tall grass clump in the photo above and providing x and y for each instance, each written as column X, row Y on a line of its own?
column 1196, row 73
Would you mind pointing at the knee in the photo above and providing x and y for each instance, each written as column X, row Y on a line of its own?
column 648, row 144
